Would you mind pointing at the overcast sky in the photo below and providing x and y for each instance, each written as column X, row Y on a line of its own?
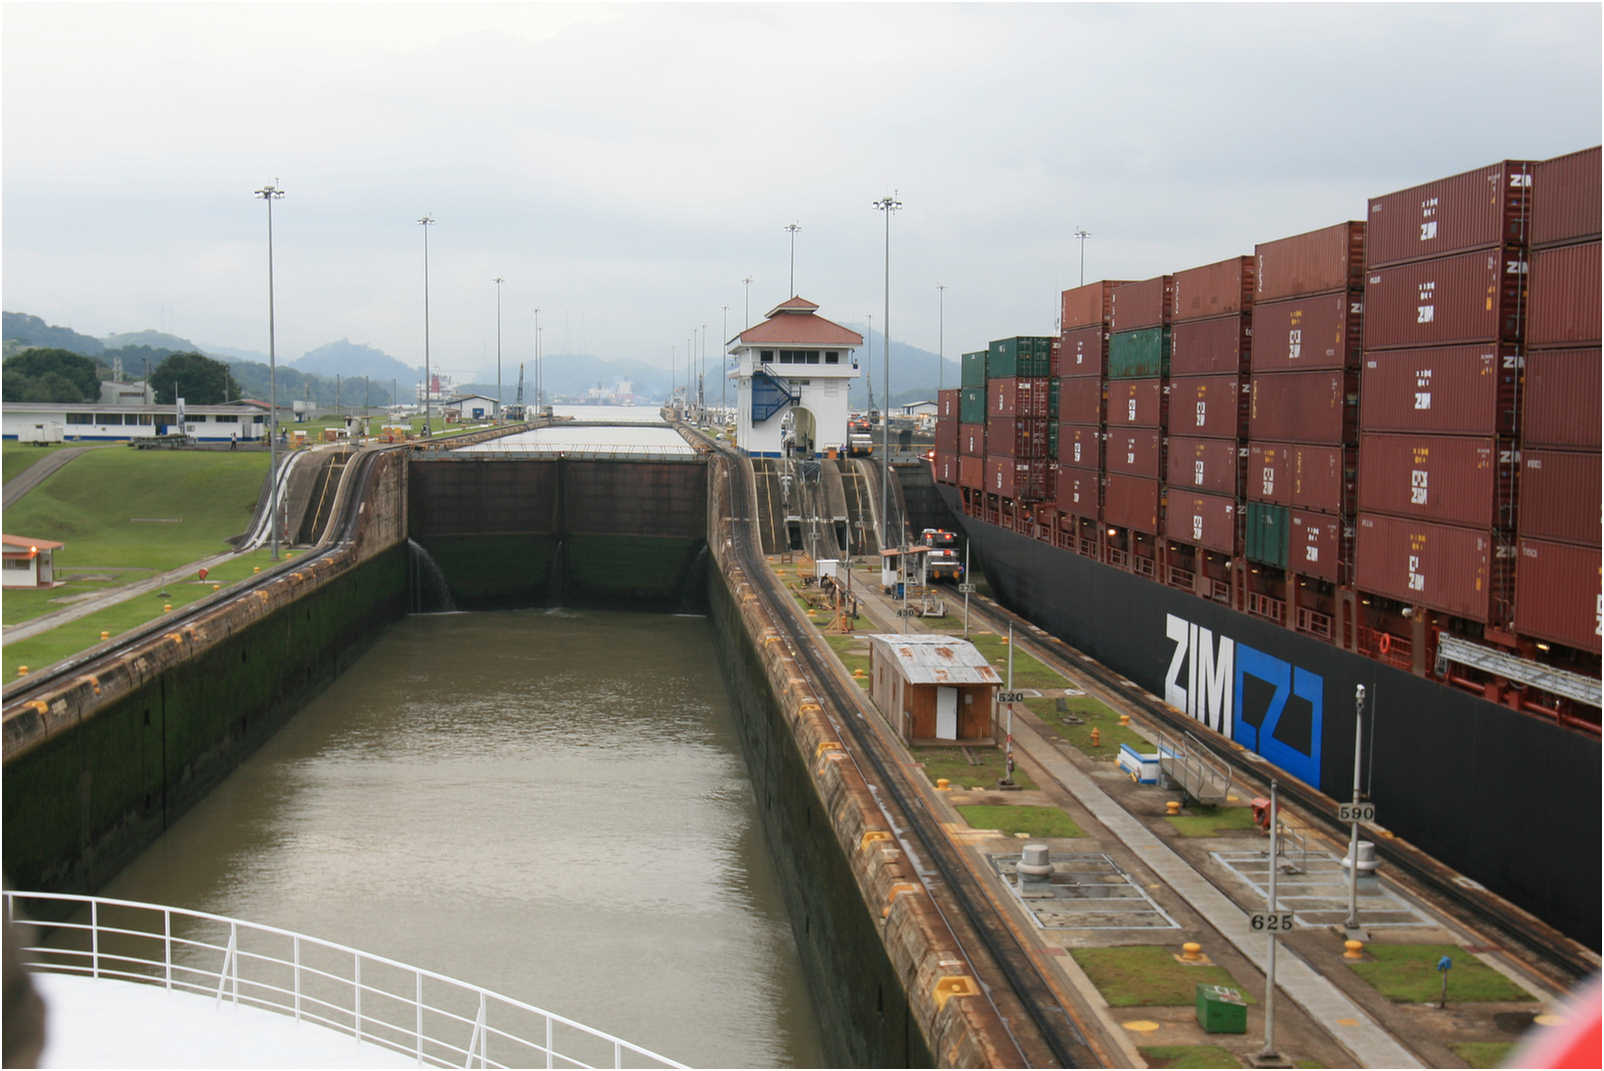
column 625, row 166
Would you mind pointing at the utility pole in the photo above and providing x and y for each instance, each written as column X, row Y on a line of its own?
column 941, row 334
column 269, row 194
column 1268, row 1053
column 1082, row 233
column 748, row 284
column 723, row 366
column 538, row 381
column 428, row 380
column 701, row 378
column 1352, row 922
column 868, row 363
column 498, row 281
column 793, row 228
column 887, row 205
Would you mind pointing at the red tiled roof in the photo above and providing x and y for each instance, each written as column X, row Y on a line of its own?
column 26, row 543
column 795, row 304
column 795, row 322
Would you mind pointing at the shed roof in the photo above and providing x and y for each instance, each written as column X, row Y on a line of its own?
column 15, row 543
column 930, row 659
column 796, row 321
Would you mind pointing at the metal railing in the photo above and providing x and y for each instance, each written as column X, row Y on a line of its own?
column 1194, row 768
column 438, row 1020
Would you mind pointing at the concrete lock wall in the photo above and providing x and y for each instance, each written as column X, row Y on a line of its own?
column 525, row 532
column 97, row 768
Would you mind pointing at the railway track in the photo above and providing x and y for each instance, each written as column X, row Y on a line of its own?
column 1064, row 1038
column 1552, row 950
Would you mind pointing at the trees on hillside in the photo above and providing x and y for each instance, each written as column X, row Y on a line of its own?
column 194, row 377
column 50, row 375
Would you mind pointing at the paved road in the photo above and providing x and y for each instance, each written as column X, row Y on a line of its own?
column 39, row 471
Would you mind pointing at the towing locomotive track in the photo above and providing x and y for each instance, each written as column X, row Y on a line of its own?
column 980, row 914
column 1556, row 952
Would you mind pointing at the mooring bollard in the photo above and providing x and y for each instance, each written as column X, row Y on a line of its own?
column 1097, row 737
column 22, row 671
column 1172, row 807
column 167, row 607
column 1354, row 949
column 943, row 785
column 1191, row 952
column 105, row 635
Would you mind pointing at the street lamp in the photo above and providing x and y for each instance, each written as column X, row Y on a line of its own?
column 748, row 283
column 723, row 364
column 887, row 205
column 701, row 379
column 941, row 333
column 271, row 193
column 426, row 222
column 537, row 364
column 793, row 228
column 498, row 281
column 1082, row 233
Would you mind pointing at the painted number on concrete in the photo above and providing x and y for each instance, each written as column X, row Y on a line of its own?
column 1270, row 922
column 1356, row 812
column 1010, row 697
column 908, row 611
column 966, row 589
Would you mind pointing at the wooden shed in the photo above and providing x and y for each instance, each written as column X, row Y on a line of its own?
column 932, row 687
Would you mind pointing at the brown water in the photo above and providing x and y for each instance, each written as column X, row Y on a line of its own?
column 549, row 804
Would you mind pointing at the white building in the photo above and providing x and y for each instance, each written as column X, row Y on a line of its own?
column 792, row 372
column 28, row 563
column 472, row 407
column 90, row 421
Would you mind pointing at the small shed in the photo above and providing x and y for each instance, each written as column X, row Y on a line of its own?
column 29, row 562
column 932, row 687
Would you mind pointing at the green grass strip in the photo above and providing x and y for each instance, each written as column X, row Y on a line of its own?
column 1483, row 1053
column 1024, row 818
column 1085, row 714
column 1188, row 1056
column 1142, row 976
column 1029, row 672
column 949, row 762
column 1212, row 821
column 1407, row 974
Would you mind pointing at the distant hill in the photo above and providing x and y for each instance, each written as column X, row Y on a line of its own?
column 352, row 361
column 913, row 372
column 22, row 331
column 225, row 353
column 156, row 340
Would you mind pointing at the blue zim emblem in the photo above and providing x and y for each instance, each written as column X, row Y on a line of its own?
column 1207, row 680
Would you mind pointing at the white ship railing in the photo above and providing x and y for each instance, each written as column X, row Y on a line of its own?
column 438, row 1020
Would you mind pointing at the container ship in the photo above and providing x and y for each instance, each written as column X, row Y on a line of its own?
column 1364, row 455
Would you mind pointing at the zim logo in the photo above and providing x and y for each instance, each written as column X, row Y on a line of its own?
column 1243, row 693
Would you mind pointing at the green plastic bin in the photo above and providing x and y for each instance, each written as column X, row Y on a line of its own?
column 1221, row 1010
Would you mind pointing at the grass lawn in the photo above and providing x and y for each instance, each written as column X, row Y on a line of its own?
column 1028, row 671
column 17, row 458
column 1212, row 821
column 1188, row 1056
column 1408, row 974
column 949, row 762
column 1093, row 713
column 42, row 650
column 1036, row 821
column 1148, row 975
column 853, row 652
column 1483, row 1053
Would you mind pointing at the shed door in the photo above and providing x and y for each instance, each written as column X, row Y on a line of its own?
column 946, row 713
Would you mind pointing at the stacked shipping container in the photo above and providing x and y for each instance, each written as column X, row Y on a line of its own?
column 1445, row 303
column 1557, row 569
column 946, row 469
column 1138, row 377
column 1018, row 403
column 1085, row 314
column 1308, row 313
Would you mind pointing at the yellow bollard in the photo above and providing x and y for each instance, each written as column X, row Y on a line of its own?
column 1124, row 719
column 256, row 568
column 167, row 607
column 1172, row 808
column 1097, row 737
column 1191, row 952
column 1355, row 949
column 943, row 785
column 105, row 635
column 22, row 671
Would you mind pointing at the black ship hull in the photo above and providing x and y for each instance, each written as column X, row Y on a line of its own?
column 1505, row 798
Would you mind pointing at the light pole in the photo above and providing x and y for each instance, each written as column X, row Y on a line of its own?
column 887, row 205
column 538, row 401
column 941, row 333
column 498, row 281
column 270, row 193
column 1082, row 233
column 701, row 378
column 723, row 364
column 747, row 282
column 428, row 380
column 793, row 228
column 1352, row 922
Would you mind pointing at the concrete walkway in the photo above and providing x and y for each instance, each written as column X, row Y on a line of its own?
column 38, row 472
column 108, row 597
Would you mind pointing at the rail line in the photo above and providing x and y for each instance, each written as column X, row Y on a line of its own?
column 1066, row 1041
column 1555, row 950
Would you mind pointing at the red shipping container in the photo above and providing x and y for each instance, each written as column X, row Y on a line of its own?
column 1143, row 304
column 947, row 405
column 1080, row 400
column 1024, row 481
column 1300, row 475
column 1213, row 290
column 1565, row 296
column 1557, row 594
column 1488, row 206
column 1305, row 407
column 1561, row 407
column 1135, row 453
column 1560, row 495
column 1207, row 347
column 1131, row 502
column 1332, row 258
column 945, row 468
column 1437, row 565
column 1078, row 493
column 1472, row 297
column 1214, row 407
column 1452, row 479
column 1208, row 465
column 1008, row 437
column 972, row 441
column 1566, row 192
column 972, row 472
column 947, row 438
column 1084, row 352
column 1448, row 390
column 1017, row 398
column 1208, row 521
column 1134, row 403
column 1080, row 446
column 1314, row 546
column 1089, row 305
column 1318, row 331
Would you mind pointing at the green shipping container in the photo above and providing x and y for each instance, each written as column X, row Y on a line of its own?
column 1052, row 439
column 1024, row 356
column 1052, row 404
column 1268, row 528
column 1143, row 354
column 974, row 370
column 1221, row 1010
column 972, row 405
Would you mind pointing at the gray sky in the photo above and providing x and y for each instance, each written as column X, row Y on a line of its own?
column 624, row 166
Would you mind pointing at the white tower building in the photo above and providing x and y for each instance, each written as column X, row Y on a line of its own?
column 792, row 372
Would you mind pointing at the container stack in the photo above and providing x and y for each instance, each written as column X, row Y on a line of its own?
column 1082, row 360
column 946, row 467
column 1445, row 301
column 1308, row 312
column 1210, row 336
column 1017, row 406
column 1557, row 592
column 1138, row 379
column 972, row 421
